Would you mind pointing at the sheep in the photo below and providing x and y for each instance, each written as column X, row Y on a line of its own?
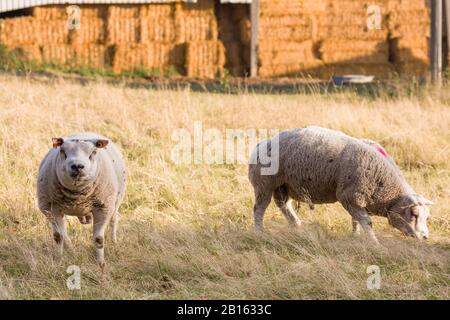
column 83, row 175
column 318, row 165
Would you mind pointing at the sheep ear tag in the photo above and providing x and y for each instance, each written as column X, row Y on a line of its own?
column 57, row 142
column 101, row 143
column 381, row 150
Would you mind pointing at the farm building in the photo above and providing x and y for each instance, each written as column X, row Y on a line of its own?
column 209, row 38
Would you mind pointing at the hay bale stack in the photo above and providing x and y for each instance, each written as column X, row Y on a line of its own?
column 150, row 56
column 205, row 59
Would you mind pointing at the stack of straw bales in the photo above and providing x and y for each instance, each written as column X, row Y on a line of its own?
column 409, row 25
column 286, row 33
column 45, row 36
column 126, row 37
column 156, row 36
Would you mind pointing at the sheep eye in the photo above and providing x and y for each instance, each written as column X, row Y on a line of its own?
column 62, row 153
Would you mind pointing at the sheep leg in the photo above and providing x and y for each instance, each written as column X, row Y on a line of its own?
column 101, row 219
column 361, row 216
column 113, row 225
column 281, row 197
column 59, row 233
column 356, row 227
column 262, row 201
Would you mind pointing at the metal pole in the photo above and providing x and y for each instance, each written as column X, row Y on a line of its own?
column 436, row 41
column 254, row 17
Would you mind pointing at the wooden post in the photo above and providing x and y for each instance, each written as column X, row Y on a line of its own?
column 254, row 17
column 436, row 41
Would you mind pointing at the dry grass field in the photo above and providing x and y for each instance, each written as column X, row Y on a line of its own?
column 186, row 230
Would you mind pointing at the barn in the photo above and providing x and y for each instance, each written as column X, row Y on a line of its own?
column 211, row 38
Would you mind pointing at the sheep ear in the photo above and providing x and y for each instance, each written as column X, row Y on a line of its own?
column 424, row 201
column 101, row 143
column 57, row 142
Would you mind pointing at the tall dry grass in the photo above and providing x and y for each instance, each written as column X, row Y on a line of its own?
column 186, row 231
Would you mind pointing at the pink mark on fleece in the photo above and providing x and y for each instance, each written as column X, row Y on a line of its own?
column 382, row 151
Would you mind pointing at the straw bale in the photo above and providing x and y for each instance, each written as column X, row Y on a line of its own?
column 331, row 45
column 412, row 41
column 90, row 55
column 293, row 7
column 400, row 5
column 123, row 30
column 58, row 54
column 196, row 28
column 52, row 12
column 412, row 69
column 157, row 10
column 409, row 17
column 161, row 29
column 351, row 33
column 205, row 59
column 293, row 69
column 202, row 7
column 368, row 57
column 276, row 33
column 380, row 71
column 155, row 55
column 410, row 55
column 295, row 52
column 358, row 5
column 123, row 11
column 91, row 30
column 29, row 51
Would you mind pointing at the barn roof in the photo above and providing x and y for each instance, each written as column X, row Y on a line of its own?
column 10, row 5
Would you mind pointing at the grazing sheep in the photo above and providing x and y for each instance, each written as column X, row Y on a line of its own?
column 84, row 176
column 318, row 165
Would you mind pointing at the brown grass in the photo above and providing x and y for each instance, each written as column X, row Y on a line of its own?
column 186, row 231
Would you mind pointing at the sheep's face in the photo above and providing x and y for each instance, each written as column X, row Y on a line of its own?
column 77, row 161
column 412, row 219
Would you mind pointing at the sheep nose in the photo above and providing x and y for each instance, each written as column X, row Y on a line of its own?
column 77, row 167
